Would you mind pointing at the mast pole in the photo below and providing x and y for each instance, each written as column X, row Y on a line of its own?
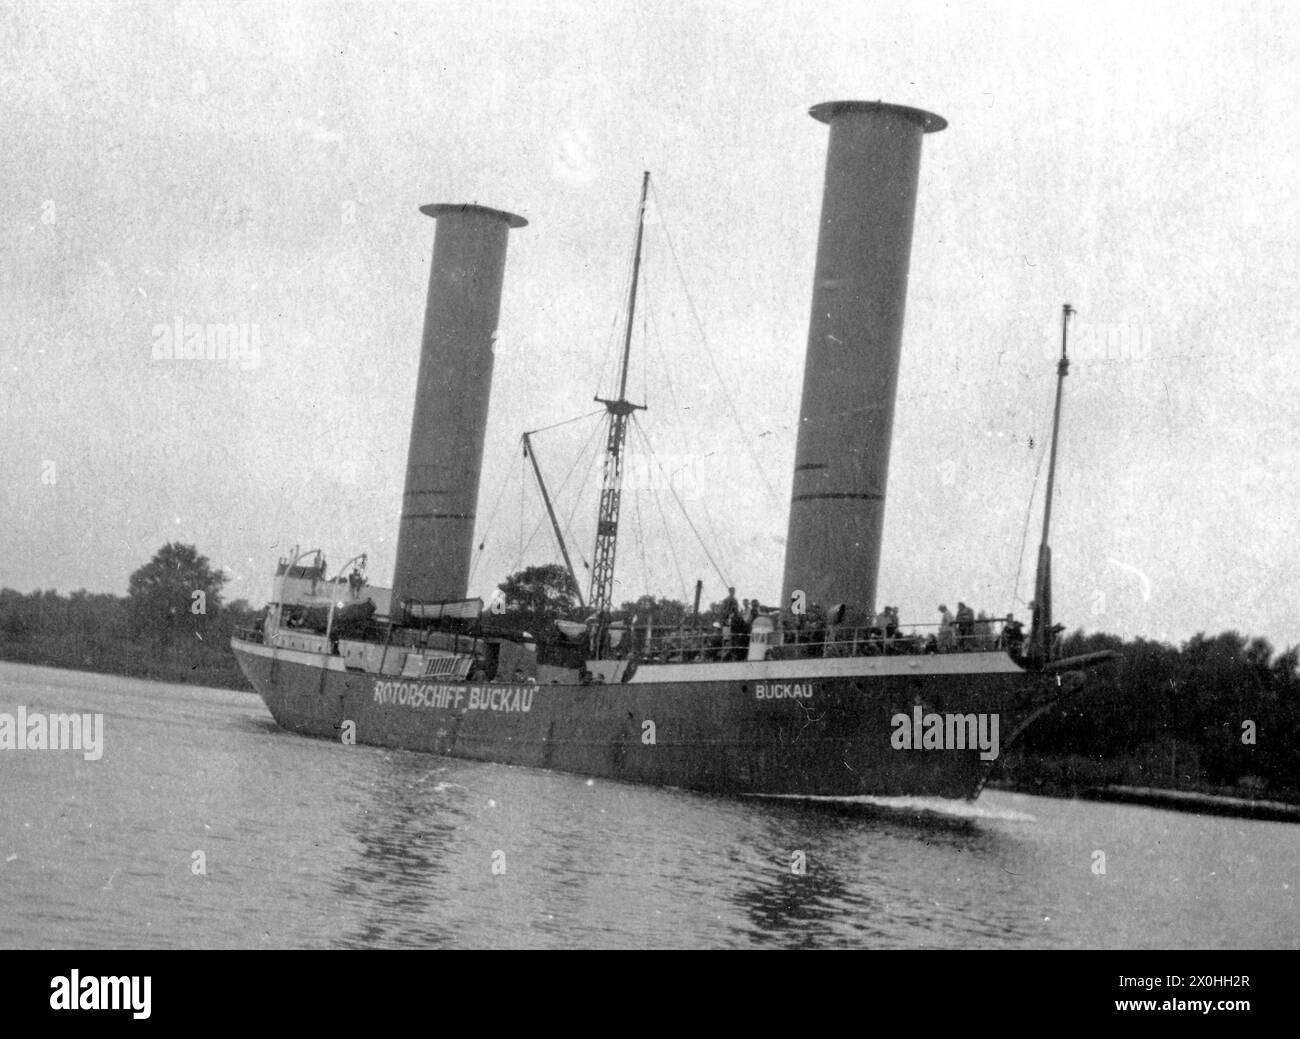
column 602, row 570
column 550, row 511
column 1041, row 632
column 631, row 300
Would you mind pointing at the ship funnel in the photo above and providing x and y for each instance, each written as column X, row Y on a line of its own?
column 435, row 540
column 854, row 336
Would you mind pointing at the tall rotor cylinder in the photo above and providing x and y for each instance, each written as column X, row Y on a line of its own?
column 854, row 339
column 435, row 539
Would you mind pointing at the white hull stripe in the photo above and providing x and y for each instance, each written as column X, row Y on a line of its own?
column 830, row 667
column 743, row 670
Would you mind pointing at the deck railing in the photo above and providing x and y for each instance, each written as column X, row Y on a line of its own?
column 680, row 646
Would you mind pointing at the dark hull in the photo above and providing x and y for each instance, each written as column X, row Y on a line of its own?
column 720, row 736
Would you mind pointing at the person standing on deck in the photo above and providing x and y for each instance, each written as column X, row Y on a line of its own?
column 716, row 648
column 1013, row 635
column 1054, row 634
column 965, row 626
column 738, row 641
column 947, row 630
column 880, row 629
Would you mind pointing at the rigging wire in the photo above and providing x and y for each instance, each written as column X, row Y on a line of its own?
column 672, row 395
column 611, row 342
column 566, row 422
column 1029, row 511
column 656, row 340
column 491, row 518
column 731, row 406
column 524, row 546
column 717, row 541
column 708, row 555
column 640, row 529
column 645, row 336
column 568, row 523
column 529, row 543
column 521, row 527
column 672, row 549
column 609, row 349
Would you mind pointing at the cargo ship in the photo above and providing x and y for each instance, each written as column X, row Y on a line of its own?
column 820, row 697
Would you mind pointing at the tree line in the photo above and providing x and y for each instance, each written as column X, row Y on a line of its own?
column 1218, row 713
column 172, row 624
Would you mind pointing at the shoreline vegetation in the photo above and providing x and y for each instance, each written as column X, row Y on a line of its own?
column 1217, row 717
column 1212, row 726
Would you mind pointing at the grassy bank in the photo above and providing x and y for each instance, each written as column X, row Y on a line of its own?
column 132, row 660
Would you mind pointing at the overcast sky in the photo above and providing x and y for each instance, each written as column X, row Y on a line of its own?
column 261, row 165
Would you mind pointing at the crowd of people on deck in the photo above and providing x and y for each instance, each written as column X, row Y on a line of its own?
column 815, row 632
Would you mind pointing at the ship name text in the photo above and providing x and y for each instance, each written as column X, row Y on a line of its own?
column 783, row 690
column 504, row 698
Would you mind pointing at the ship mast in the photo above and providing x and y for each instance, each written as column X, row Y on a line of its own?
column 602, row 571
column 1040, row 634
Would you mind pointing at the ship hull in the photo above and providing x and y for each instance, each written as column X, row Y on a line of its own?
column 807, row 728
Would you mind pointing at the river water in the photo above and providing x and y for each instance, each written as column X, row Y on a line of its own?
column 204, row 825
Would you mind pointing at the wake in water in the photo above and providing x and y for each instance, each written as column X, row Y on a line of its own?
column 938, row 806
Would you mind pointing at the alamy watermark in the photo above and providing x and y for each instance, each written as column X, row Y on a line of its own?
column 129, row 992
column 922, row 731
column 1101, row 341
column 235, row 343
column 673, row 475
column 36, row 731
